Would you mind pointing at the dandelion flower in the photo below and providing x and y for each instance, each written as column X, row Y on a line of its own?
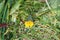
column 29, row 24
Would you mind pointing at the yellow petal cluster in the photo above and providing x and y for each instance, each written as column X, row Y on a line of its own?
column 28, row 24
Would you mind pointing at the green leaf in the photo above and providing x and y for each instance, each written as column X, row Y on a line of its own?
column 15, row 6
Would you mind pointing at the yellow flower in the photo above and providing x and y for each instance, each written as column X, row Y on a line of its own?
column 29, row 24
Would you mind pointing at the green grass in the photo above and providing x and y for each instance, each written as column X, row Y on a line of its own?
column 45, row 15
